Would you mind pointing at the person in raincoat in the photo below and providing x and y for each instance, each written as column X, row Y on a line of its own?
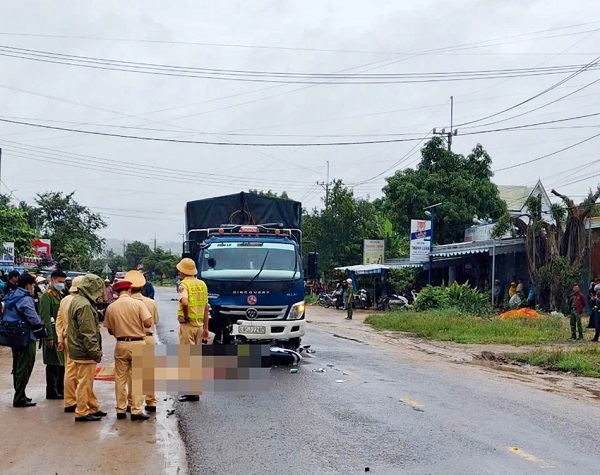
column 53, row 358
column 512, row 290
column 62, row 325
column 19, row 306
column 85, row 345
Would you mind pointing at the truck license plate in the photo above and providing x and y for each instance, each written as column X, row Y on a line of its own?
column 252, row 329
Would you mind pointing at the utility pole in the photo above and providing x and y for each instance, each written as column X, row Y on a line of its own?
column 325, row 185
column 452, row 132
column 0, row 170
column 154, row 242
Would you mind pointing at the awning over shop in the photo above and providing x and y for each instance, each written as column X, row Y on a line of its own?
column 404, row 264
column 365, row 269
column 503, row 246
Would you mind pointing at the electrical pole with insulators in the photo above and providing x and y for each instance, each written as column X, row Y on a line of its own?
column 452, row 132
column 325, row 185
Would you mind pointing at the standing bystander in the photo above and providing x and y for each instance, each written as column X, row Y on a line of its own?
column 576, row 310
column 85, row 345
column 53, row 358
column 62, row 326
column 19, row 306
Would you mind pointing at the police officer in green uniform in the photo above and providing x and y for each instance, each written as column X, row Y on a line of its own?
column 349, row 298
column 53, row 359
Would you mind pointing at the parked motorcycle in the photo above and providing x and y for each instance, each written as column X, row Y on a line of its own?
column 399, row 302
column 326, row 300
column 338, row 297
column 362, row 300
column 383, row 303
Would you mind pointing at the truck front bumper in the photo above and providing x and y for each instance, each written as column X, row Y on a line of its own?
column 269, row 330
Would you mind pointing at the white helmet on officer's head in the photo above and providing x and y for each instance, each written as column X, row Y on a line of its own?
column 349, row 281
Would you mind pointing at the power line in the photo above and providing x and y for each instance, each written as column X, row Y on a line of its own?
column 548, row 155
column 205, row 176
column 539, row 107
column 284, row 77
column 291, row 48
column 586, row 67
column 206, row 142
column 517, row 127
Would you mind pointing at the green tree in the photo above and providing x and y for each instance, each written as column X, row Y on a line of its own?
column 115, row 262
column 337, row 232
column 72, row 228
column 270, row 194
column 462, row 184
column 161, row 262
column 135, row 253
column 15, row 227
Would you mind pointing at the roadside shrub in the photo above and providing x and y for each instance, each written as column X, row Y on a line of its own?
column 463, row 297
column 432, row 298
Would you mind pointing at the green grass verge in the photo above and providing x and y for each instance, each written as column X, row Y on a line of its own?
column 582, row 361
column 311, row 299
column 453, row 325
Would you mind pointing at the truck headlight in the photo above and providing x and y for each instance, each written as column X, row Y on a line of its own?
column 297, row 311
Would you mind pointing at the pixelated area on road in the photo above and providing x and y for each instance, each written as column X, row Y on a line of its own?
column 199, row 369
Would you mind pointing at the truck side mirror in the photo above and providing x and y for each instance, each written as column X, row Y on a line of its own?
column 313, row 265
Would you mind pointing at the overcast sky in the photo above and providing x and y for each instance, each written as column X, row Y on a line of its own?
column 299, row 36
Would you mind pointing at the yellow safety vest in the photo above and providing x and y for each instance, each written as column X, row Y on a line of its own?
column 197, row 298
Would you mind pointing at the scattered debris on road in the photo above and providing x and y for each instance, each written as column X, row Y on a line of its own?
column 348, row 338
column 319, row 370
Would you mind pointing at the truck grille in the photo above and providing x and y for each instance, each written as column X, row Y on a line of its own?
column 264, row 313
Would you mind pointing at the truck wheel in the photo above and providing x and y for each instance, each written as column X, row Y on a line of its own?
column 293, row 344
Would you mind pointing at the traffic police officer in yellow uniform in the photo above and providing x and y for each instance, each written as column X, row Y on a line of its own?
column 138, row 281
column 127, row 319
column 193, row 310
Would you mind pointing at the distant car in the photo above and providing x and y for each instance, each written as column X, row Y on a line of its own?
column 120, row 275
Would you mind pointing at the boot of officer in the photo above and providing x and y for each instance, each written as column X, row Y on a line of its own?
column 138, row 281
column 127, row 320
column 193, row 310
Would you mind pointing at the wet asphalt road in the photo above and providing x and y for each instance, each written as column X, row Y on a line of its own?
column 391, row 415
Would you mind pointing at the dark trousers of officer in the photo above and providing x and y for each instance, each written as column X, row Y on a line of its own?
column 55, row 380
column 23, row 362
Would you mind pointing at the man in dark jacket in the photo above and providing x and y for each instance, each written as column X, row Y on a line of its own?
column 85, row 345
column 11, row 283
column 576, row 311
column 148, row 290
column 19, row 306
column 53, row 359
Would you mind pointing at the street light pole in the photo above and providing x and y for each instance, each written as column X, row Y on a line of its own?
column 431, row 248
column 430, row 210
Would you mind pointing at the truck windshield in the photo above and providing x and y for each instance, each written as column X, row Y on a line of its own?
column 243, row 260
